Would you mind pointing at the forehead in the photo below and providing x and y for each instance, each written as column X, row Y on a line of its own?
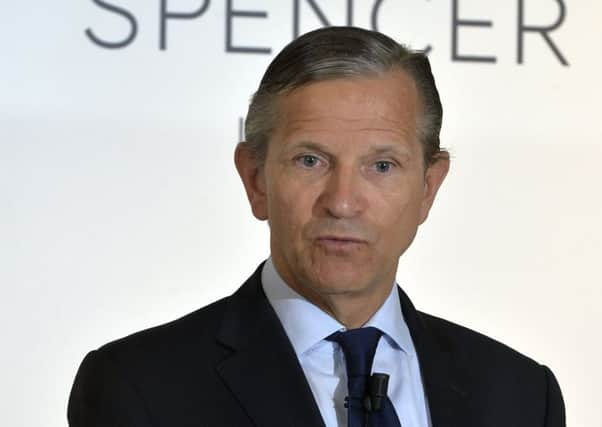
column 386, row 104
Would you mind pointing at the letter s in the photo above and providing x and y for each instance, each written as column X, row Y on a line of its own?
column 119, row 11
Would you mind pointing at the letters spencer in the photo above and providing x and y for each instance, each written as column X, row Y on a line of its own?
column 302, row 10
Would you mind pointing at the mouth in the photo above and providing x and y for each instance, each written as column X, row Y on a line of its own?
column 334, row 238
column 339, row 243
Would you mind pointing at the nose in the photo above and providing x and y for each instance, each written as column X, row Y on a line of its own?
column 343, row 194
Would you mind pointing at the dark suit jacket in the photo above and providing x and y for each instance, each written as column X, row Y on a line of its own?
column 231, row 364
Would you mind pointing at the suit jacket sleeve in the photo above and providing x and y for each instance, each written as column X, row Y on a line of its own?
column 102, row 397
column 555, row 415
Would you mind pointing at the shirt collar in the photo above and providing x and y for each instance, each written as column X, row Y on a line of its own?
column 307, row 325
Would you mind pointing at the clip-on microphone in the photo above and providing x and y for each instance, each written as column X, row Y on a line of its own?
column 376, row 392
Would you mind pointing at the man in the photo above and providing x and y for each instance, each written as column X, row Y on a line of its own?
column 342, row 158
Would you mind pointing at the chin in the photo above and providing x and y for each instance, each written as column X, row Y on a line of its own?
column 337, row 279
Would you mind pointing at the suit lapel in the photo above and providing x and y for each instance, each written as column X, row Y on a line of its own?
column 263, row 371
column 445, row 393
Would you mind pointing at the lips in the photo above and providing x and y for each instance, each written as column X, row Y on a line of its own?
column 341, row 239
column 339, row 243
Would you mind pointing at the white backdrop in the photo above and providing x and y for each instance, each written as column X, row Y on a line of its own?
column 120, row 207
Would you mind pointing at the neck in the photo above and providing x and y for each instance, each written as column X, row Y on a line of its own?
column 351, row 310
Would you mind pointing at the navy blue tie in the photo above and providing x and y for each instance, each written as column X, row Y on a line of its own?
column 359, row 346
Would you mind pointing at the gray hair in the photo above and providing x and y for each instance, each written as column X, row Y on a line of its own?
column 335, row 53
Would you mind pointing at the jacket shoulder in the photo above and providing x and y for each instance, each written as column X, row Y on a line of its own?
column 196, row 330
column 192, row 335
column 493, row 373
column 163, row 373
column 476, row 347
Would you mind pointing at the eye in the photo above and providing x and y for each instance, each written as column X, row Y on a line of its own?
column 383, row 166
column 308, row 160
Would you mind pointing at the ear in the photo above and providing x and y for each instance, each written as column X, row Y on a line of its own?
column 435, row 174
column 253, row 179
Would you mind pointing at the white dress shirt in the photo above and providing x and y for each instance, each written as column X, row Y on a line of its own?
column 323, row 362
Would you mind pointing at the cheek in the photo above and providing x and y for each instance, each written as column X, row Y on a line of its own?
column 392, row 206
column 288, row 209
column 398, row 215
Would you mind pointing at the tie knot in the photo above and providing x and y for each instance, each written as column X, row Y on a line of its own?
column 359, row 346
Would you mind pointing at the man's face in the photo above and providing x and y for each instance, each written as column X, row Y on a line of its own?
column 343, row 186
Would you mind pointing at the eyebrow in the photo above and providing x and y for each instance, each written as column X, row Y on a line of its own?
column 378, row 150
column 310, row 145
column 383, row 149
